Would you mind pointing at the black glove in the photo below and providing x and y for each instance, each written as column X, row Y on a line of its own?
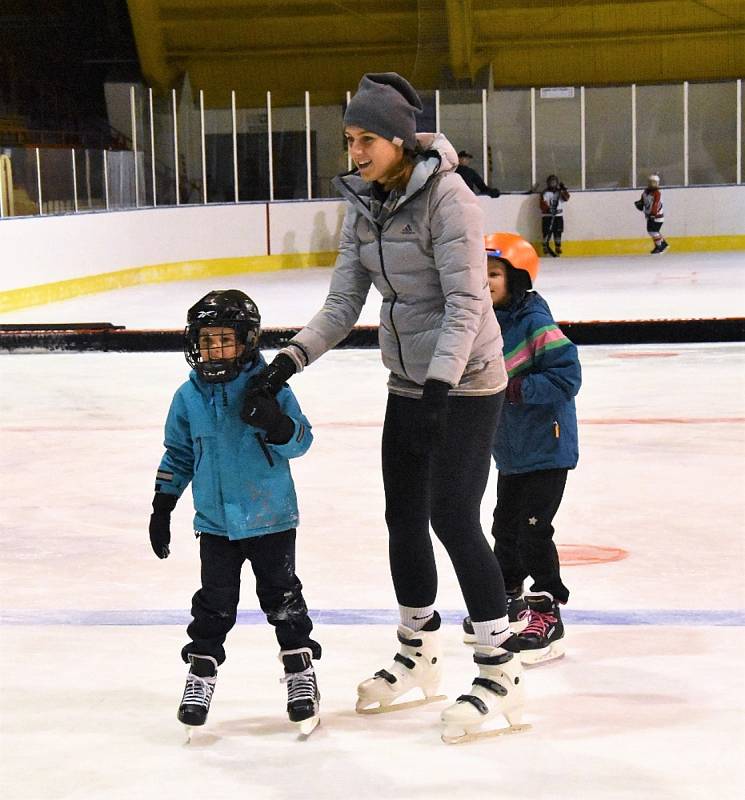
column 494, row 192
column 262, row 410
column 562, row 187
column 160, row 523
column 429, row 428
column 639, row 204
column 273, row 377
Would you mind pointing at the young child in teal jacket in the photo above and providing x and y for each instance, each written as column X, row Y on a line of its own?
column 534, row 448
column 237, row 459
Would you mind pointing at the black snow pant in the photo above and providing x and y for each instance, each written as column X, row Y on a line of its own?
column 523, row 533
column 552, row 226
column 215, row 606
column 444, row 487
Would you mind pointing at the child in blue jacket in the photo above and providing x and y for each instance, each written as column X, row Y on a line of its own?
column 535, row 445
column 237, row 462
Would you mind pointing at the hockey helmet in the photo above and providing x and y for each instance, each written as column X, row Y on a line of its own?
column 518, row 254
column 222, row 308
column 654, row 178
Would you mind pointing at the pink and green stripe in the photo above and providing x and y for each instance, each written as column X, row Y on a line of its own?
column 549, row 337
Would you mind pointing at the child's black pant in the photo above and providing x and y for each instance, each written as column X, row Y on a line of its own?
column 443, row 487
column 552, row 226
column 523, row 533
column 215, row 605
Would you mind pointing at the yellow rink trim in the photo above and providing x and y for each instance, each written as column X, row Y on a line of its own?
column 628, row 247
column 43, row 293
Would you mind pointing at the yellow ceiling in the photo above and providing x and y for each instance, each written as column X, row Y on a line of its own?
column 288, row 46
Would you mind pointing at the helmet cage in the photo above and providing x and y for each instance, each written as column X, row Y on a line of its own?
column 222, row 309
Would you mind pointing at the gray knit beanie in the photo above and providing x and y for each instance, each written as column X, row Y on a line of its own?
column 386, row 104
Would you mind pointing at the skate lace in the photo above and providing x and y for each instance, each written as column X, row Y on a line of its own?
column 300, row 685
column 539, row 622
column 198, row 691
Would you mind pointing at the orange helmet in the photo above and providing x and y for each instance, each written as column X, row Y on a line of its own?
column 513, row 250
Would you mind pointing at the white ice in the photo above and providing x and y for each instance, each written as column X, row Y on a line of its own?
column 670, row 286
column 651, row 710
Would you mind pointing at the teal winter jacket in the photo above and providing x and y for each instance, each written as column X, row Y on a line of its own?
column 540, row 432
column 241, row 483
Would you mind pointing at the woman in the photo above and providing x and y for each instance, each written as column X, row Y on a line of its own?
column 414, row 229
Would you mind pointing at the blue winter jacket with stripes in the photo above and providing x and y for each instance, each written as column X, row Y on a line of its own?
column 541, row 431
column 241, row 483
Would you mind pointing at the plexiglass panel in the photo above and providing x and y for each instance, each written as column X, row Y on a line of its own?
column 712, row 132
column 608, row 137
column 557, row 135
column 508, row 134
column 659, row 133
column 328, row 149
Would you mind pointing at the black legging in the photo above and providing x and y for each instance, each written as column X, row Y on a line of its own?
column 445, row 488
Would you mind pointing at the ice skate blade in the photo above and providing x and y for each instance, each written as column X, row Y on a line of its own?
column 361, row 708
column 472, row 736
column 531, row 658
column 306, row 727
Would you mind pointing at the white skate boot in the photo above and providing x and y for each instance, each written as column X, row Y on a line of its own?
column 497, row 691
column 417, row 665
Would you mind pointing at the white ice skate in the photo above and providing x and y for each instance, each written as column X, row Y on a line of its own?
column 496, row 692
column 417, row 665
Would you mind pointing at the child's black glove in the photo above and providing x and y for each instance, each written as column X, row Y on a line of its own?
column 273, row 377
column 639, row 204
column 160, row 523
column 429, row 426
column 494, row 192
column 262, row 411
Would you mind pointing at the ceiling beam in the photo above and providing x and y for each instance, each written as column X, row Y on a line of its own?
column 460, row 31
column 149, row 40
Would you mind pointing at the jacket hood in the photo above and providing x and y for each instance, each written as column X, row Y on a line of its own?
column 530, row 303
column 434, row 154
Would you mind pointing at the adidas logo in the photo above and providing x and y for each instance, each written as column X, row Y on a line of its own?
column 407, row 229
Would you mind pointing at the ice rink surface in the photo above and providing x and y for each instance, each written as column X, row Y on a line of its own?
column 648, row 703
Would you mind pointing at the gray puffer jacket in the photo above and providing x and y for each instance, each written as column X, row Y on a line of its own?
column 424, row 251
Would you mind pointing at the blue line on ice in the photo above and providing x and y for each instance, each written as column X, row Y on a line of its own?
column 366, row 616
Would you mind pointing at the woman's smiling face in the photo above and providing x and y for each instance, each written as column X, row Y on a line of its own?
column 375, row 156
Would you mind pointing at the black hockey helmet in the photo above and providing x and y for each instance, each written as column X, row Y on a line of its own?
column 222, row 308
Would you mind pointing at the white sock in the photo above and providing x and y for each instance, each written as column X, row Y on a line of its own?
column 416, row 618
column 492, row 632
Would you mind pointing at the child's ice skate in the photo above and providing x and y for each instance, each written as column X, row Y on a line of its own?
column 200, row 685
column 303, row 697
column 517, row 614
column 415, row 666
column 496, row 692
column 543, row 638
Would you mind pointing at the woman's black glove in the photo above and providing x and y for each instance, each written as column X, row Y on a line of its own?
column 273, row 377
column 262, row 411
column 160, row 523
column 429, row 428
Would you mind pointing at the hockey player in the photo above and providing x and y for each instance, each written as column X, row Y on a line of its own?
column 244, row 500
column 651, row 204
column 551, row 202
column 535, row 446
column 414, row 229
